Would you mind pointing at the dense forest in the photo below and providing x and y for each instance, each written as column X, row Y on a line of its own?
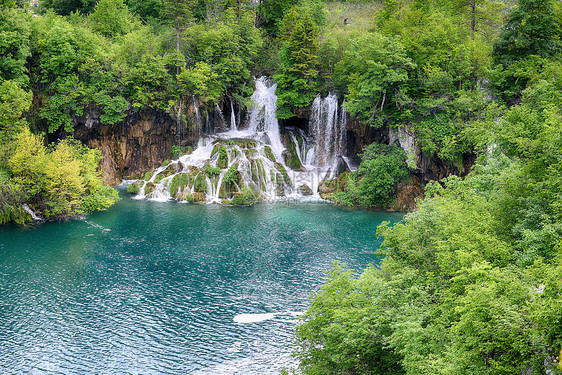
column 470, row 282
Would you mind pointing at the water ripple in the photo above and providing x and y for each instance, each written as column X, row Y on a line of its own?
column 151, row 288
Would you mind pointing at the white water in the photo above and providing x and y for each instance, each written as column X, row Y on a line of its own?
column 327, row 124
column 257, row 153
column 30, row 212
column 407, row 142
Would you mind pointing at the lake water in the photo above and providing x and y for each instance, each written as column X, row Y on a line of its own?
column 168, row 288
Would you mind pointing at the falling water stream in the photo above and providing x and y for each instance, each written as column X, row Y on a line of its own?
column 255, row 156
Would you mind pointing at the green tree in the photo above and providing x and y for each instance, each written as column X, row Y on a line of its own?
column 111, row 18
column 14, row 102
column 381, row 168
column 375, row 69
column 532, row 28
column 297, row 77
column 180, row 14
column 15, row 31
column 147, row 10
column 530, row 36
column 481, row 16
column 272, row 12
column 66, row 7
column 62, row 181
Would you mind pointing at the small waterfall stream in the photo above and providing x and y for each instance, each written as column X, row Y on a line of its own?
column 254, row 157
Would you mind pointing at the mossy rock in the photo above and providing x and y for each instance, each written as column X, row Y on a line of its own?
column 211, row 171
column 242, row 143
column 342, row 182
column 291, row 158
column 254, row 172
column 159, row 177
column 199, row 197
column 170, row 170
column 327, row 187
column 261, row 173
column 279, row 185
column 305, row 190
column 179, row 182
column 283, row 172
column 247, row 197
column 251, row 153
column 232, row 175
column 166, row 162
column 133, row 188
column 148, row 175
column 216, row 149
column 189, row 198
column 200, row 185
column 300, row 141
column 235, row 153
column 222, row 163
column 224, row 192
column 149, row 188
column 269, row 154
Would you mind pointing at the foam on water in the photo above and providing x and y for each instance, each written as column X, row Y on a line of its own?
column 254, row 318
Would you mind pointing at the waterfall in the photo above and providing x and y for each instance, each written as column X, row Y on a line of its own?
column 262, row 116
column 252, row 156
column 327, row 126
column 31, row 213
column 405, row 137
column 198, row 119
column 232, row 118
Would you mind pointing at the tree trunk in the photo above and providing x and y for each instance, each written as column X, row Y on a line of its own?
column 216, row 5
column 239, row 12
column 473, row 21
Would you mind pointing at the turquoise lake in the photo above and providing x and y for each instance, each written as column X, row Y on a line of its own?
column 169, row 288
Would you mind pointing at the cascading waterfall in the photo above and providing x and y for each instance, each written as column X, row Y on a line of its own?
column 254, row 158
column 232, row 118
column 327, row 125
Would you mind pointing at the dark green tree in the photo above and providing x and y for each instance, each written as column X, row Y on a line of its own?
column 297, row 77
column 532, row 28
column 146, row 10
column 179, row 14
column 375, row 70
column 272, row 12
column 65, row 7
column 15, row 31
column 531, row 35
column 14, row 102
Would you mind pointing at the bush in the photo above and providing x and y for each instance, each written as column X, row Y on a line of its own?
column 133, row 188
column 60, row 181
column 381, row 168
column 11, row 199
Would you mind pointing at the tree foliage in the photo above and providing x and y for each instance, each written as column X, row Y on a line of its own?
column 375, row 70
column 15, row 32
column 14, row 102
column 381, row 168
column 298, row 75
column 62, row 181
column 467, row 284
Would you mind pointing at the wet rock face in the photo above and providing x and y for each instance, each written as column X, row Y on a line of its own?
column 407, row 193
column 140, row 143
